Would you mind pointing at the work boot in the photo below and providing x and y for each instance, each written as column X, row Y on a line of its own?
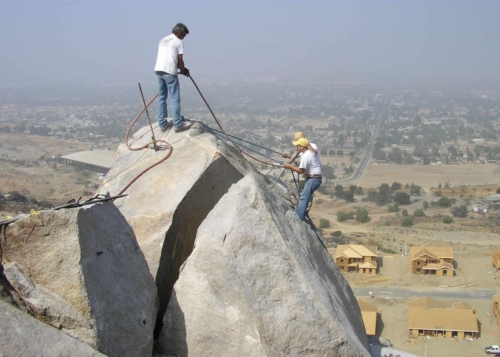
column 168, row 126
column 184, row 126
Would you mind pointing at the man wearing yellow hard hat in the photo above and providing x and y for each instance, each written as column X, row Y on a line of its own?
column 313, row 147
column 310, row 167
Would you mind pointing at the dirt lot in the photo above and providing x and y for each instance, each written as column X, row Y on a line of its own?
column 430, row 175
column 392, row 324
column 23, row 169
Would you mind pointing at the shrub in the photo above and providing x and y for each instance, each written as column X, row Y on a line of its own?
column 419, row 213
column 393, row 208
column 459, row 211
column 324, row 223
column 402, row 198
column 45, row 204
column 17, row 197
column 444, row 202
column 407, row 222
column 348, row 196
column 362, row 215
column 498, row 190
column 404, row 213
column 344, row 216
column 447, row 220
column 336, row 234
column 426, row 204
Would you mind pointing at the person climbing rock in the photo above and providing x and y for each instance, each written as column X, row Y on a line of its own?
column 310, row 167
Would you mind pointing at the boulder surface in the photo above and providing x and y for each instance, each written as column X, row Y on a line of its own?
column 260, row 283
column 90, row 261
column 22, row 335
column 167, row 203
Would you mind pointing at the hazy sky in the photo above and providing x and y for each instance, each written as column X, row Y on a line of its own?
column 115, row 42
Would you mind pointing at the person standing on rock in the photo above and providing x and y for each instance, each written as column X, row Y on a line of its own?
column 310, row 167
column 169, row 59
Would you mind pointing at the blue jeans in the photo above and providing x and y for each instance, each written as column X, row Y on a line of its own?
column 310, row 186
column 168, row 84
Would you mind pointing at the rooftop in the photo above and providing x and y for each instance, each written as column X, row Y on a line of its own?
column 102, row 158
column 356, row 251
column 433, row 252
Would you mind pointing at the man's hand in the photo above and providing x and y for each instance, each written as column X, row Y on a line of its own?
column 286, row 156
column 185, row 72
column 288, row 166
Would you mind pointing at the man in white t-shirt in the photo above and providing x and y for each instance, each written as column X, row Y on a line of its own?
column 310, row 167
column 313, row 147
column 169, row 59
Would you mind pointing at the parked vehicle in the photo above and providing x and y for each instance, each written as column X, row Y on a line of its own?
column 492, row 349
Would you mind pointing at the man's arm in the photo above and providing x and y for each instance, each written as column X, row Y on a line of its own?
column 180, row 62
column 313, row 148
column 294, row 168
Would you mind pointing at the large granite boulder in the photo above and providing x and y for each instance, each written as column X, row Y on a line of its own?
column 260, row 283
column 89, row 259
column 48, row 307
column 168, row 202
column 22, row 335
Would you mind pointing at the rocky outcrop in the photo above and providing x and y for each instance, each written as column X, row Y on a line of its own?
column 85, row 265
column 48, row 307
column 22, row 335
column 260, row 283
column 166, row 205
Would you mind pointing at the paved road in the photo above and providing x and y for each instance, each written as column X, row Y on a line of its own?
column 458, row 293
column 371, row 145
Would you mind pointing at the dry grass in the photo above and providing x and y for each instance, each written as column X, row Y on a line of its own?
column 428, row 176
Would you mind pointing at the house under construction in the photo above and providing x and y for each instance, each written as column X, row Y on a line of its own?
column 431, row 317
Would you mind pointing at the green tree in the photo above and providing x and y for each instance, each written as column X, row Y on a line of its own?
column 362, row 215
column 426, row 204
column 384, row 189
column 396, row 186
column 339, row 191
column 419, row 213
column 324, row 223
column 402, row 198
column 415, row 191
column 444, row 202
column 348, row 196
column 498, row 191
column 407, row 222
column 404, row 213
column 359, row 191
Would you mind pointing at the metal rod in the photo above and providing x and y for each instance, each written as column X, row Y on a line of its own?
column 149, row 119
column 282, row 172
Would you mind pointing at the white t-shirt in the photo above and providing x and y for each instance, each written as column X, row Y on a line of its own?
column 315, row 147
column 310, row 162
column 169, row 49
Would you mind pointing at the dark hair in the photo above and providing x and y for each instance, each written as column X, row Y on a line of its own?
column 180, row 29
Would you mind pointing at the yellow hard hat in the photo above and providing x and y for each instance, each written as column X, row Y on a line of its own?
column 302, row 142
